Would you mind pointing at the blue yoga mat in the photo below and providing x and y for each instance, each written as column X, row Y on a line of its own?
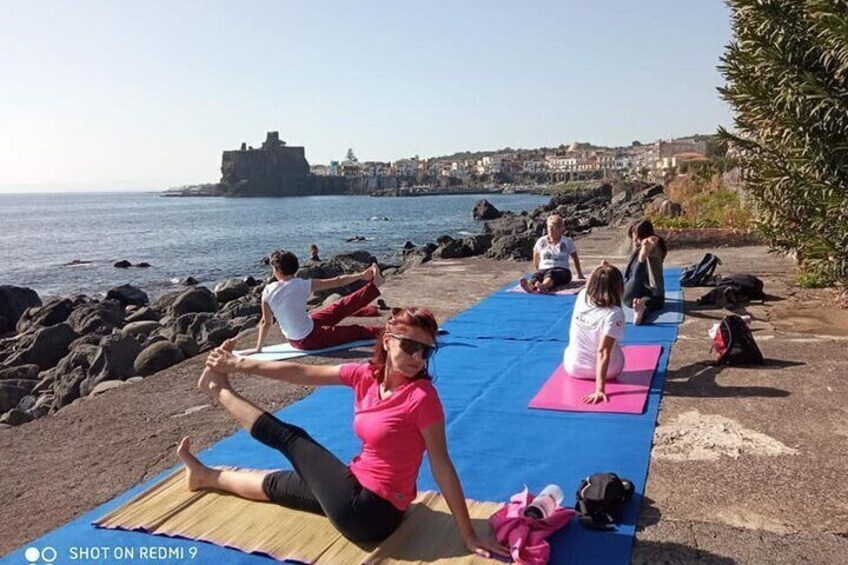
column 283, row 351
column 498, row 445
column 528, row 317
column 463, row 368
column 671, row 312
column 671, row 277
column 496, row 442
column 510, row 315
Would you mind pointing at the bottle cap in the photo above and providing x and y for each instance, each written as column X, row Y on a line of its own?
column 533, row 512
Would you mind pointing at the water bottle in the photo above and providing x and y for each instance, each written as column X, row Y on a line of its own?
column 545, row 503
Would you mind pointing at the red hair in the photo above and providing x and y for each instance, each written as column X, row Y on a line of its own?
column 412, row 317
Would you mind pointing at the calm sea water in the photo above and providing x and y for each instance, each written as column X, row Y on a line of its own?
column 207, row 238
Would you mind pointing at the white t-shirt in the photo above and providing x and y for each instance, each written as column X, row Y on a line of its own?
column 287, row 300
column 589, row 324
column 554, row 254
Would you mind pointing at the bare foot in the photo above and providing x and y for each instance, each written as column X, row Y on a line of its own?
column 228, row 345
column 377, row 278
column 638, row 311
column 213, row 382
column 196, row 472
column 526, row 285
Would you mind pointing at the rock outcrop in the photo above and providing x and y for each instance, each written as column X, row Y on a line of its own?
column 484, row 210
column 512, row 236
column 14, row 301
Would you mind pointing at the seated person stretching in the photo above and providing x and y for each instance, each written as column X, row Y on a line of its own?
column 285, row 299
column 644, row 288
column 550, row 259
column 597, row 327
column 397, row 416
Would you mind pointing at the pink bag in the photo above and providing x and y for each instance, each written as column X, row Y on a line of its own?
column 526, row 537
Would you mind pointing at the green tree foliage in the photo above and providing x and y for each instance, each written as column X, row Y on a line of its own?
column 787, row 81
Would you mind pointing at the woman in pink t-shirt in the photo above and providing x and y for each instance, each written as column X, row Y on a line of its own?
column 397, row 416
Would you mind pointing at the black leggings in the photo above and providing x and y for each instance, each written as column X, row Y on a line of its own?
column 636, row 286
column 560, row 276
column 322, row 484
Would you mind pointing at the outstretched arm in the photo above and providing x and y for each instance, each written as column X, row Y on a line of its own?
column 222, row 361
column 445, row 475
column 335, row 282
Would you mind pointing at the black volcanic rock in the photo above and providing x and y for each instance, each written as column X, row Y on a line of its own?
column 484, row 210
column 128, row 295
column 53, row 312
column 14, row 301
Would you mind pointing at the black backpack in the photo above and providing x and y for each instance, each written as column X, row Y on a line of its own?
column 701, row 273
column 734, row 290
column 601, row 499
column 734, row 343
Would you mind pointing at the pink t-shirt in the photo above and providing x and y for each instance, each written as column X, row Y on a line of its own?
column 390, row 431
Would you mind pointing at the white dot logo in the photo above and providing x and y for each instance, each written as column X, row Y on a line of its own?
column 32, row 554
column 46, row 555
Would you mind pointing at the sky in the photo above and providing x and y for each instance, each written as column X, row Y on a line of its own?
column 146, row 95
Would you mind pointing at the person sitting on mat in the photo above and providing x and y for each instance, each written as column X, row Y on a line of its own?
column 550, row 259
column 397, row 416
column 597, row 327
column 285, row 299
column 644, row 288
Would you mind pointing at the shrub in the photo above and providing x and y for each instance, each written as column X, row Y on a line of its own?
column 706, row 203
column 786, row 70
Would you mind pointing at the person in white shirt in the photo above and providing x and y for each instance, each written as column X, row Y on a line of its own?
column 550, row 259
column 285, row 299
column 597, row 328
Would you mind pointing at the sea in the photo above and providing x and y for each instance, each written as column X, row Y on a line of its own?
column 210, row 239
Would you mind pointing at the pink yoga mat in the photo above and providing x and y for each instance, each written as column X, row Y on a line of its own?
column 567, row 290
column 627, row 394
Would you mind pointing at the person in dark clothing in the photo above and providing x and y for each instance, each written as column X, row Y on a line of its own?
column 644, row 288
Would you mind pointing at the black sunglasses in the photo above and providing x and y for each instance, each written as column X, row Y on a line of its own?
column 411, row 347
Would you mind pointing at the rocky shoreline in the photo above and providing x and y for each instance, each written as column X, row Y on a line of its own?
column 57, row 352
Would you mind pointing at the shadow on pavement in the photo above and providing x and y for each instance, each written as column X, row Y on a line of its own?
column 700, row 380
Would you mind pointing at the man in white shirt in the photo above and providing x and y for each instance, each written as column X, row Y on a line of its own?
column 550, row 259
column 285, row 299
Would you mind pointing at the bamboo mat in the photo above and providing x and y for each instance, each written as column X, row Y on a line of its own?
column 428, row 533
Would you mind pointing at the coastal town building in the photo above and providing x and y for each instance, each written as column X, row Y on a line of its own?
column 405, row 167
column 574, row 161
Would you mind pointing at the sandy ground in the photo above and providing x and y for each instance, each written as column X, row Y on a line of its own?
column 748, row 464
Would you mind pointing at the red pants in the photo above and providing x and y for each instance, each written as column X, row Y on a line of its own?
column 326, row 333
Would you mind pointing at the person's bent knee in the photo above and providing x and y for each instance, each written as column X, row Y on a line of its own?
column 273, row 432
